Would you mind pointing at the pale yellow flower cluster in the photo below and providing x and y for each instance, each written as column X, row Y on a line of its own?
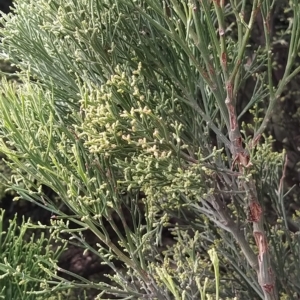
column 123, row 120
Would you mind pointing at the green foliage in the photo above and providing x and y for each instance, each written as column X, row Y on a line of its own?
column 8, row 71
column 127, row 110
column 25, row 262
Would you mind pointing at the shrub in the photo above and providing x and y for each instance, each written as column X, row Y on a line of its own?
column 128, row 110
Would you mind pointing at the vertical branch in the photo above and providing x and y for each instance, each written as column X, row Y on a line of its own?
column 219, row 6
column 241, row 157
column 255, row 8
column 265, row 273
